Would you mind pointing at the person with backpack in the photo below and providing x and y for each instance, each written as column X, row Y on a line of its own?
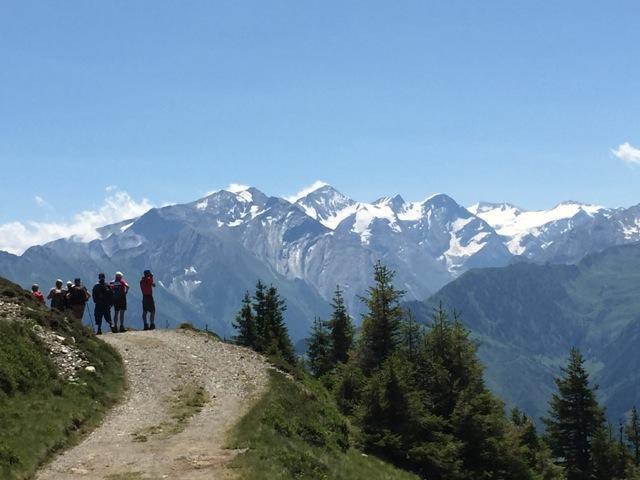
column 37, row 294
column 120, row 288
column 57, row 296
column 103, row 299
column 67, row 299
column 148, row 305
column 77, row 297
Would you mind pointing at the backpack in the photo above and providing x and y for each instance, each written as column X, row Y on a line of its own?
column 57, row 299
column 77, row 295
column 118, row 292
column 102, row 294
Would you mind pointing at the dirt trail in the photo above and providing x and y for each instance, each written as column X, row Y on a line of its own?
column 141, row 438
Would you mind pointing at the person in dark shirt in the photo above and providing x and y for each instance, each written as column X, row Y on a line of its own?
column 103, row 299
column 77, row 297
column 57, row 296
column 120, row 288
column 67, row 299
column 148, row 305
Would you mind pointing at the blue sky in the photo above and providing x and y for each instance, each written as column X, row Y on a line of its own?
column 496, row 100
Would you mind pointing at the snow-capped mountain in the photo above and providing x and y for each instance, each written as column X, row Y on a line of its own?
column 565, row 233
column 206, row 253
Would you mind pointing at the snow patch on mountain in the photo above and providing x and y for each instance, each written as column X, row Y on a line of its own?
column 458, row 251
column 367, row 213
column 412, row 212
column 631, row 232
column 126, row 227
column 516, row 224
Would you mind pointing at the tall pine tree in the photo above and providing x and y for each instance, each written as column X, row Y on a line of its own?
column 411, row 334
column 341, row 329
column 381, row 324
column 271, row 335
column 319, row 349
column 276, row 339
column 575, row 420
column 632, row 432
column 245, row 324
column 260, row 309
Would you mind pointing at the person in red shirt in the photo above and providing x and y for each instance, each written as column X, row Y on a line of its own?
column 148, row 305
column 37, row 294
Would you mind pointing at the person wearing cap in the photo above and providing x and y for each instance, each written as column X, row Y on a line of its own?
column 120, row 288
column 148, row 305
column 77, row 297
column 103, row 299
column 57, row 296
column 37, row 294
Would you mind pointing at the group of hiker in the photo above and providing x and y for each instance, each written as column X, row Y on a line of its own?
column 105, row 296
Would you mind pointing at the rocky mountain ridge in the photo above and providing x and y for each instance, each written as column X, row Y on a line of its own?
column 206, row 253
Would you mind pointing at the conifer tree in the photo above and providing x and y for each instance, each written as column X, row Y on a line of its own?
column 610, row 456
column 245, row 324
column 349, row 384
column 276, row 339
column 632, row 433
column 575, row 419
column 319, row 349
column 527, row 436
column 411, row 334
column 341, row 329
column 471, row 423
column 381, row 324
column 260, row 309
column 447, row 363
column 390, row 413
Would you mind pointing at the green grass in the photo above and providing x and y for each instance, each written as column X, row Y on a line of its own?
column 296, row 432
column 128, row 476
column 41, row 414
column 187, row 401
column 190, row 327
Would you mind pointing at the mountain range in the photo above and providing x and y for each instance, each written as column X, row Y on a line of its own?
column 206, row 253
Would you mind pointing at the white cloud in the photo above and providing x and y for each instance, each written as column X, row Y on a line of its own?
column 627, row 153
column 16, row 237
column 236, row 188
column 306, row 191
column 41, row 202
column 232, row 187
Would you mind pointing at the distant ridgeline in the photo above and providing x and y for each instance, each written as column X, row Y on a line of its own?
column 205, row 254
column 526, row 318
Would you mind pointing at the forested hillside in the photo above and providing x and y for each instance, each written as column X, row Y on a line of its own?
column 526, row 317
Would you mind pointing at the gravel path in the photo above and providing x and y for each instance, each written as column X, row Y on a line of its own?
column 138, row 440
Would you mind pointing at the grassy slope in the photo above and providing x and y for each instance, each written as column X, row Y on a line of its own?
column 295, row 431
column 39, row 413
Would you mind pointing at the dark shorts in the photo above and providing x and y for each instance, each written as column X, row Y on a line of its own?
column 100, row 312
column 120, row 305
column 148, row 305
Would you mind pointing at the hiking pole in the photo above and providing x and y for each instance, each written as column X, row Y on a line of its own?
column 86, row 310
